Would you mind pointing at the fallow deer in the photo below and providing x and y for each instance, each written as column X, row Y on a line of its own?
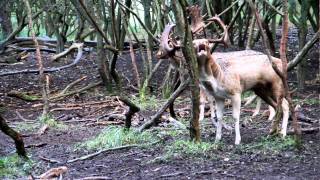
column 228, row 75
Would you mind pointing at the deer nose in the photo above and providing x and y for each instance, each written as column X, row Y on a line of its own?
column 159, row 54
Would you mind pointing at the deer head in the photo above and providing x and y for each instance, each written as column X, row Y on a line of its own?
column 167, row 45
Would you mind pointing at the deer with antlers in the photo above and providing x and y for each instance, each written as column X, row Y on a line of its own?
column 228, row 75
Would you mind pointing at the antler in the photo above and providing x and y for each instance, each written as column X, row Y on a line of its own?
column 225, row 37
column 165, row 38
column 197, row 23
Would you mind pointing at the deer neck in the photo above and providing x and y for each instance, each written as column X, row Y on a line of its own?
column 210, row 68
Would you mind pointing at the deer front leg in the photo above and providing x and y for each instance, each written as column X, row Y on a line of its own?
column 202, row 104
column 285, row 117
column 236, row 105
column 220, row 108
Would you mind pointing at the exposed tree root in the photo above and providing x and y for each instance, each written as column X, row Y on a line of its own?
column 173, row 96
column 14, row 135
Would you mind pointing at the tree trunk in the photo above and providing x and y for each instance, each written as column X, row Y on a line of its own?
column 302, row 32
column 192, row 66
column 5, row 19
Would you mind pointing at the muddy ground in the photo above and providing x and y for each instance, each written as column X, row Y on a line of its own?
column 256, row 158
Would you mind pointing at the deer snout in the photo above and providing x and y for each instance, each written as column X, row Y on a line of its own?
column 161, row 55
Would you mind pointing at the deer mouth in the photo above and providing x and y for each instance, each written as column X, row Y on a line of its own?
column 201, row 47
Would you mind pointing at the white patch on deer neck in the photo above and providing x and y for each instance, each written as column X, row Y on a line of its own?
column 212, row 86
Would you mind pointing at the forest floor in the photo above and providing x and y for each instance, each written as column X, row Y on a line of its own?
column 163, row 152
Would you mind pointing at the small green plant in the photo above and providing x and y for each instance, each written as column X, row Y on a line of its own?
column 246, row 94
column 146, row 101
column 271, row 145
column 51, row 122
column 166, row 91
column 25, row 126
column 117, row 136
column 185, row 148
column 14, row 166
column 312, row 101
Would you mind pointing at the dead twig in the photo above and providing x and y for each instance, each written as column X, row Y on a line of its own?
column 23, row 118
column 89, row 156
column 69, row 86
column 49, row 160
column 35, row 145
column 43, row 129
column 171, row 175
column 96, row 178
column 311, row 130
column 76, row 91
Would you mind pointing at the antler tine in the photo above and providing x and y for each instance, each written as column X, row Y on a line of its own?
column 225, row 37
column 165, row 38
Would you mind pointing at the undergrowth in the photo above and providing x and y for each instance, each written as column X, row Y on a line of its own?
column 114, row 136
column 51, row 122
column 186, row 148
column 146, row 101
column 267, row 145
column 14, row 166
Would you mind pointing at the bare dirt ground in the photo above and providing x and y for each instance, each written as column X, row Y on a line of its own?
column 256, row 158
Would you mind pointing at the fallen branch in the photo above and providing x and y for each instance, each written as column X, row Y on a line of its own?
column 35, row 145
column 42, row 130
column 23, row 95
column 49, row 70
column 67, row 51
column 23, row 118
column 89, row 156
column 311, row 130
column 76, row 91
column 171, row 175
column 49, row 160
column 69, row 86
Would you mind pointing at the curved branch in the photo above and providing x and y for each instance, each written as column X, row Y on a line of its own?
column 303, row 51
column 27, row 71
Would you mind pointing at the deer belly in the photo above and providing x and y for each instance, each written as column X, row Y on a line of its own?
column 213, row 88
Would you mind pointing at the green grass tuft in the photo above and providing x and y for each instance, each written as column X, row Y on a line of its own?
column 51, row 122
column 185, row 148
column 113, row 136
column 14, row 166
column 147, row 101
column 269, row 145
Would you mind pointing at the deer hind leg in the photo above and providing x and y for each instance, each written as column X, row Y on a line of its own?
column 285, row 117
column 220, row 109
column 272, row 113
column 258, row 107
column 236, row 105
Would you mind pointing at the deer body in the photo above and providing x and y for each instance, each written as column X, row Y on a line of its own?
column 231, row 76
